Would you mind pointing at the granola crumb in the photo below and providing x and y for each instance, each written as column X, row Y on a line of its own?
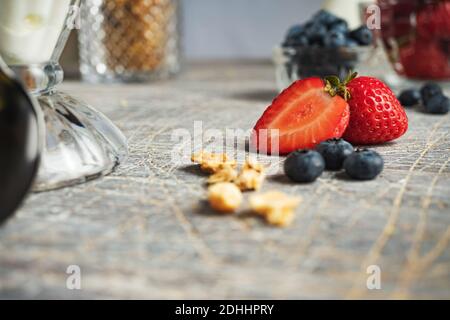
column 212, row 162
column 225, row 173
column 251, row 177
column 276, row 207
column 253, row 164
column 224, row 197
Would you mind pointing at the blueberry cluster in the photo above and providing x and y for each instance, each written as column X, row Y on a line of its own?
column 327, row 31
column 322, row 46
column 307, row 165
column 430, row 97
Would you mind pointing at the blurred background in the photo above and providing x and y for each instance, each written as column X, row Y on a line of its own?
column 140, row 40
column 232, row 29
column 240, row 28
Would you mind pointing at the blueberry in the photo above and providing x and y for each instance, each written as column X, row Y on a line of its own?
column 362, row 35
column 334, row 39
column 304, row 165
column 410, row 97
column 295, row 31
column 325, row 17
column 430, row 90
column 339, row 25
column 363, row 165
column 316, row 33
column 296, row 36
column 334, row 152
column 438, row 104
column 351, row 43
column 297, row 41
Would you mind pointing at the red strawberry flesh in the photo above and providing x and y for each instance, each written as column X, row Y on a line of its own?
column 305, row 115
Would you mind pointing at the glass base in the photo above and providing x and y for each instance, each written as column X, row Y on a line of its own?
column 81, row 143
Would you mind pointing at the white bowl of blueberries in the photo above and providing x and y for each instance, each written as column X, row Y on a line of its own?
column 321, row 47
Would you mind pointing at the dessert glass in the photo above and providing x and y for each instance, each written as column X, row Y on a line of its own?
column 416, row 36
column 81, row 143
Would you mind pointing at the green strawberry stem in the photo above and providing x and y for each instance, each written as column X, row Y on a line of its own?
column 334, row 86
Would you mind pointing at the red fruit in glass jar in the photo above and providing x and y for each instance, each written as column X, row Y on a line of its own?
column 433, row 20
column 416, row 35
column 425, row 59
column 396, row 20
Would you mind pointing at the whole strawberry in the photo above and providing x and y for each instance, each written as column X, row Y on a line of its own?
column 376, row 116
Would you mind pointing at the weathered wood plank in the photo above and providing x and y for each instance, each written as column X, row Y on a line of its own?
column 143, row 232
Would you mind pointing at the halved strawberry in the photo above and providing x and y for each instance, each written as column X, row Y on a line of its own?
column 304, row 114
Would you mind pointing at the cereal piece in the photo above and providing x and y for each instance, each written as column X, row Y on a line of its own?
column 253, row 164
column 199, row 156
column 276, row 207
column 203, row 156
column 212, row 162
column 225, row 173
column 215, row 166
column 252, row 175
column 250, row 179
column 224, row 197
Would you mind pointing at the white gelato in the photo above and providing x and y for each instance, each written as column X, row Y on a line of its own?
column 29, row 29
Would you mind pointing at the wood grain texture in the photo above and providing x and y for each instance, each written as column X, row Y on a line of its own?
column 144, row 231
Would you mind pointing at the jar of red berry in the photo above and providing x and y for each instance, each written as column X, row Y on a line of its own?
column 416, row 35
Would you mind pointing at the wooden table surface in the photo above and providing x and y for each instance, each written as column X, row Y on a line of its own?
column 145, row 232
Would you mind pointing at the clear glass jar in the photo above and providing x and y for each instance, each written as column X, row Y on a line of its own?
column 416, row 35
column 129, row 40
